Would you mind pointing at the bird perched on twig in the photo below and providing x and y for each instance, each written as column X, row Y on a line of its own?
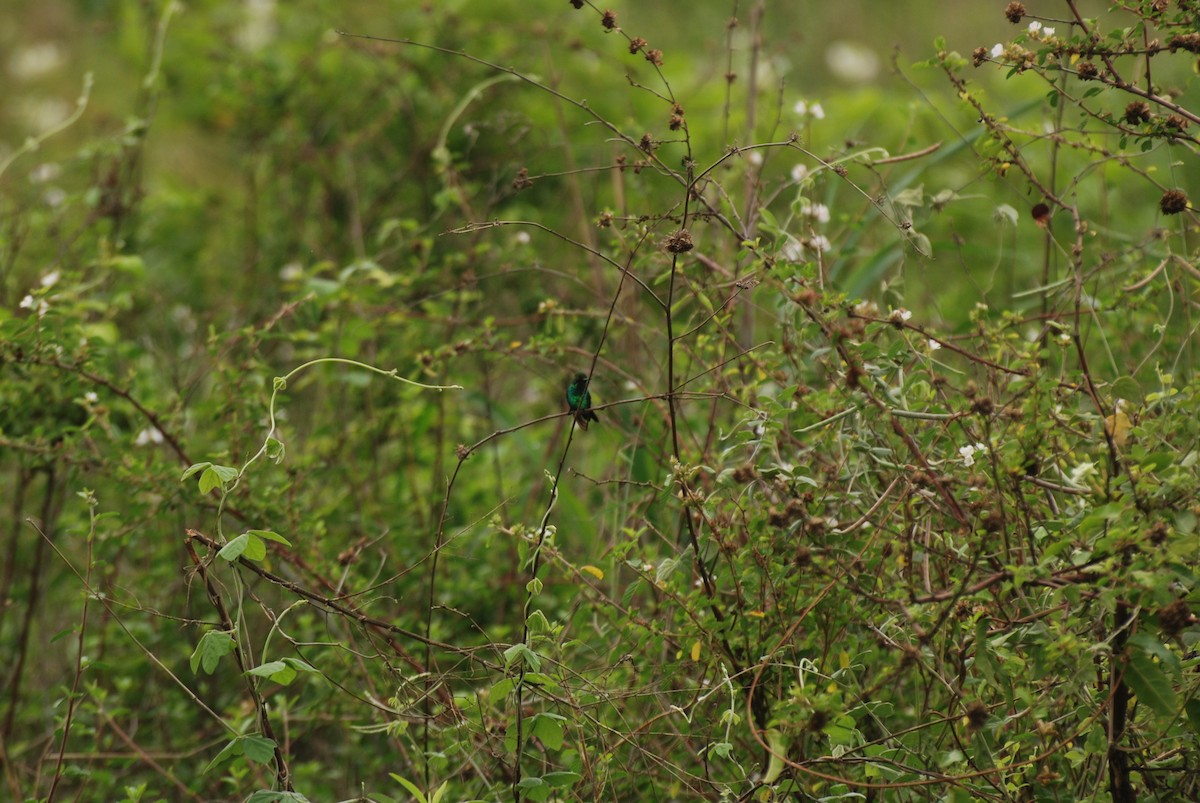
column 579, row 401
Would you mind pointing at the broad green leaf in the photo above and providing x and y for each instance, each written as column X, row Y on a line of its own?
column 214, row 645
column 548, row 728
column 192, row 469
column 277, row 671
column 270, row 535
column 1150, row 684
column 234, row 549
column 258, row 748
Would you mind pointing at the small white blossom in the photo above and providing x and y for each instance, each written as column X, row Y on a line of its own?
column 148, row 436
column 813, row 110
column 1034, row 27
column 792, row 250
column 38, row 305
column 934, row 345
column 898, row 315
column 90, row 397
column 1047, row 31
column 997, row 50
column 522, row 237
column 51, row 278
column 755, row 158
column 819, row 213
column 968, row 455
column 820, row 243
column 799, row 172
column 291, row 272
column 866, row 309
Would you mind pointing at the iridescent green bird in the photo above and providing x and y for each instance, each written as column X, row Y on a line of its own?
column 579, row 401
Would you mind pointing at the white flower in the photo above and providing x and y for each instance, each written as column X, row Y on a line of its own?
column 523, row 237
column 792, row 250
column 997, row 50
column 90, row 397
column 799, row 172
column 819, row 212
column 1047, row 31
column 820, row 243
column 51, row 278
column 148, row 436
column 934, row 345
column 898, row 315
column 39, row 305
column 968, row 455
column 35, row 61
column 805, row 109
column 291, row 272
column 1034, row 27
column 755, row 158
column 866, row 309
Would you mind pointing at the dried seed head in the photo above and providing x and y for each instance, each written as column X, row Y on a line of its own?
column 1014, row 12
column 1173, row 202
column 655, row 57
column 1088, row 71
column 522, row 181
column 1137, row 112
column 636, row 44
column 680, row 242
column 1185, row 41
column 609, row 20
column 1173, row 618
column 976, row 715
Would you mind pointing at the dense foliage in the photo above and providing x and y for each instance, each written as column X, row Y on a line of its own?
column 892, row 491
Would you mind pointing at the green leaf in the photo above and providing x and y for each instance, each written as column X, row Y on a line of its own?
column 561, row 779
column 269, row 535
column 234, row 748
column 270, row 796
column 412, row 788
column 501, row 690
column 1193, row 714
column 247, row 545
column 1150, row 684
column 521, row 653
column 214, row 645
column 258, row 748
column 234, row 549
column 535, row 788
column 548, row 728
column 192, row 469
column 216, row 477
column 779, row 747
column 277, row 671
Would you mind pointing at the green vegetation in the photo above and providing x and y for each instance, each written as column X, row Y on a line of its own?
column 890, row 492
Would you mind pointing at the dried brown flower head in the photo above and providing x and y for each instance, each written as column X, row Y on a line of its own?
column 1137, row 112
column 1173, row 202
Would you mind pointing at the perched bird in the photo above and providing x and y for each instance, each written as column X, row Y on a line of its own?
column 579, row 401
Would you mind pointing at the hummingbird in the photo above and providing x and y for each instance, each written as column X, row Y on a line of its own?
column 579, row 401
